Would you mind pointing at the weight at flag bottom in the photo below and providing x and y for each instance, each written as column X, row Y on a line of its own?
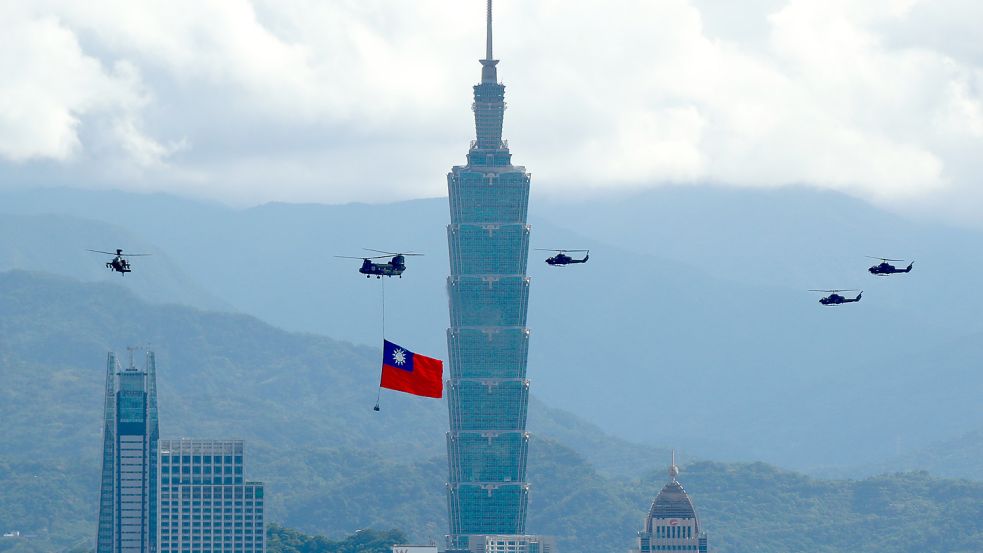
column 405, row 371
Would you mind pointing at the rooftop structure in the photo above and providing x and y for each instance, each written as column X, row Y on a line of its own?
column 407, row 548
column 672, row 524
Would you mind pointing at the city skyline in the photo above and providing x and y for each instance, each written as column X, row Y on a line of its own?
column 718, row 168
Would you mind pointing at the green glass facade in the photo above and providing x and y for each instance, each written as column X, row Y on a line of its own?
column 128, row 494
column 488, row 341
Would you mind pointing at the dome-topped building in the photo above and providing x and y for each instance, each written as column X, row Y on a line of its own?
column 672, row 524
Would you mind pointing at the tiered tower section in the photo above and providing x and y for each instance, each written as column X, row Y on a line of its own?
column 488, row 393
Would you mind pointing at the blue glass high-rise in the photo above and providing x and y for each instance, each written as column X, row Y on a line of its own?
column 128, row 495
column 488, row 393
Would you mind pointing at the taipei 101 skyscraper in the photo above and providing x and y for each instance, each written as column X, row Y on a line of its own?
column 488, row 341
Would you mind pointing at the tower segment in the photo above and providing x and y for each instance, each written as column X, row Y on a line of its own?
column 488, row 341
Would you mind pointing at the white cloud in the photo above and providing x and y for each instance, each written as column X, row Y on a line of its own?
column 363, row 99
column 51, row 86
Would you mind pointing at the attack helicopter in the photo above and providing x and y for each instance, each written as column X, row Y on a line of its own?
column 834, row 298
column 119, row 262
column 884, row 268
column 394, row 267
column 561, row 258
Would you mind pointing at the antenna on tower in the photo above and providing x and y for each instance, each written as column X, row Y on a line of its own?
column 673, row 469
column 488, row 73
column 131, row 349
column 488, row 36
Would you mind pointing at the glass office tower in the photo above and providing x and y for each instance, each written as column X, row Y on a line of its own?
column 488, row 393
column 206, row 503
column 128, row 496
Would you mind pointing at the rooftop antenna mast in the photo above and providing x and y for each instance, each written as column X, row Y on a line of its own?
column 488, row 73
column 673, row 469
column 488, row 36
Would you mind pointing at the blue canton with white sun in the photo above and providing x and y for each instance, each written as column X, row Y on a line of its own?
column 396, row 356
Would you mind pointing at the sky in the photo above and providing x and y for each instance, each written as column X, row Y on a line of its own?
column 332, row 101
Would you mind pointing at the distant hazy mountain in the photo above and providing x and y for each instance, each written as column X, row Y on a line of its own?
column 961, row 457
column 332, row 465
column 57, row 243
column 691, row 326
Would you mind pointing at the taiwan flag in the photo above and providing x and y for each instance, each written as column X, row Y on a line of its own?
column 409, row 372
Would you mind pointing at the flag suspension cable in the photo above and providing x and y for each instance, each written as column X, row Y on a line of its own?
column 378, row 395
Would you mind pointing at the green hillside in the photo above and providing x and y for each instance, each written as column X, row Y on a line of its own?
column 957, row 458
column 333, row 466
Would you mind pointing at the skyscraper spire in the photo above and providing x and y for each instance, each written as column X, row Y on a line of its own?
column 488, row 35
column 673, row 469
column 488, row 73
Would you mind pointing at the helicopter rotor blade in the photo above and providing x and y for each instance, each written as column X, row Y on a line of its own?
column 391, row 254
column 885, row 259
column 555, row 250
column 363, row 257
column 135, row 254
column 835, row 291
column 100, row 251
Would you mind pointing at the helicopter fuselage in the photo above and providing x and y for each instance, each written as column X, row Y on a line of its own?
column 562, row 259
column 394, row 267
column 119, row 265
column 836, row 299
column 884, row 269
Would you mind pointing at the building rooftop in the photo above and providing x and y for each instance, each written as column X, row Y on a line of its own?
column 672, row 502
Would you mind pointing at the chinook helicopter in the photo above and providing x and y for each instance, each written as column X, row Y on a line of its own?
column 562, row 259
column 119, row 262
column 884, row 268
column 834, row 298
column 394, row 267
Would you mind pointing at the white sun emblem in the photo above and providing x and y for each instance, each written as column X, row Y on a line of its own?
column 399, row 357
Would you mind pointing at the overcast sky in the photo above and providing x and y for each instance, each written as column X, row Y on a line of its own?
column 369, row 100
